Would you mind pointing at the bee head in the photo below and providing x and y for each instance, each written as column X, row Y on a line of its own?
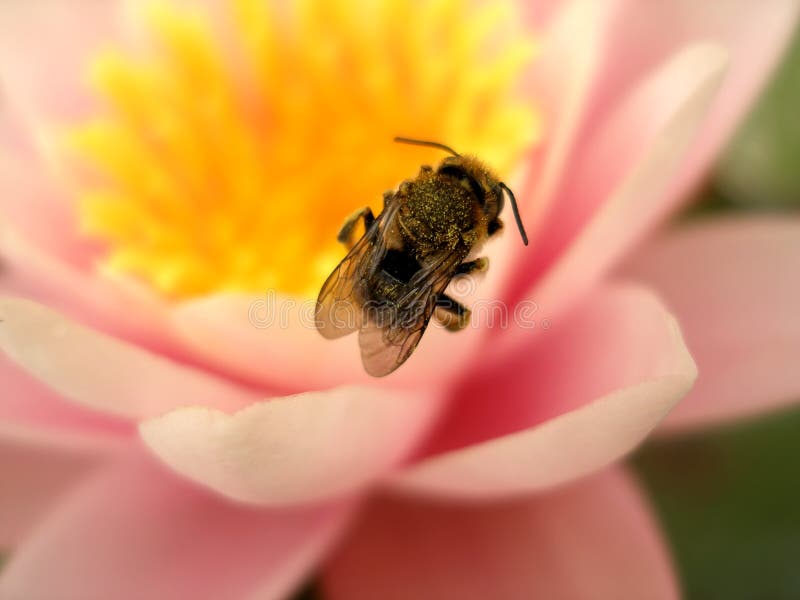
column 470, row 173
column 488, row 191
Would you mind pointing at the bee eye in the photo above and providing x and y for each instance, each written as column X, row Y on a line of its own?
column 497, row 191
column 462, row 175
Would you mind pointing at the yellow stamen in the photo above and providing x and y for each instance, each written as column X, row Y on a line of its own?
column 227, row 161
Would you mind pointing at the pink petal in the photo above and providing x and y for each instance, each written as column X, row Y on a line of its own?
column 36, row 468
column 294, row 449
column 561, row 82
column 540, row 13
column 643, row 35
column 271, row 339
column 754, row 38
column 733, row 284
column 103, row 373
column 46, row 50
column 134, row 533
column 32, row 201
column 43, row 255
column 656, row 123
column 576, row 398
column 15, row 140
column 25, row 401
column 593, row 539
column 45, row 259
column 111, row 306
column 43, row 53
column 46, row 447
column 574, row 40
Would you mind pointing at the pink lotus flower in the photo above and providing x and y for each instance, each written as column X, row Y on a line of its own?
column 157, row 441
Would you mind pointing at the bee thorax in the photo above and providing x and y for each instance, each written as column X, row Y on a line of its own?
column 437, row 213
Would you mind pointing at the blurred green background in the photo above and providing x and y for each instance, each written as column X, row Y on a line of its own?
column 729, row 502
column 729, row 499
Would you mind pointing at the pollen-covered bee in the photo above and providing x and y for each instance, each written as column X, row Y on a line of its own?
column 394, row 277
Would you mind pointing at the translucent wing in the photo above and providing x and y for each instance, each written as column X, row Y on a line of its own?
column 341, row 299
column 391, row 332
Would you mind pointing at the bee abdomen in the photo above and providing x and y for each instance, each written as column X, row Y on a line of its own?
column 400, row 265
column 390, row 280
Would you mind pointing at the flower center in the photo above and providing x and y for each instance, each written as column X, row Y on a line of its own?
column 227, row 160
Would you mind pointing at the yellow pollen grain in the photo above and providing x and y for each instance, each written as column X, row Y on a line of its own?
column 228, row 151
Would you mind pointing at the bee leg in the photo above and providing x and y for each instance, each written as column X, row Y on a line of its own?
column 346, row 232
column 387, row 198
column 453, row 315
column 479, row 265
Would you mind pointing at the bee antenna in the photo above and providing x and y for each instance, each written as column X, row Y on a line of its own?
column 516, row 212
column 404, row 140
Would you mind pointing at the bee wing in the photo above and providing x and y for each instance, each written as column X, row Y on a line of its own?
column 339, row 304
column 338, row 309
column 389, row 336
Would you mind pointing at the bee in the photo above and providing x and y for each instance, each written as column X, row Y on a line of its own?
column 394, row 277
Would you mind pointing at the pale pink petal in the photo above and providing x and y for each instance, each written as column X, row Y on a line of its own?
column 561, row 82
column 42, row 256
column 110, row 305
column 31, row 199
column 271, row 339
column 48, row 82
column 103, row 373
column 133, row 533
column 538, row 14
column 733, row 284
column 15, row 140
column 25, row 401
column 579, row 396
column 44, row 86
column 592, row 540
column 642, row 36
column 667, row 109
column 44, row 47
column 754, row 38
column 294, row 449
column 36, row 468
